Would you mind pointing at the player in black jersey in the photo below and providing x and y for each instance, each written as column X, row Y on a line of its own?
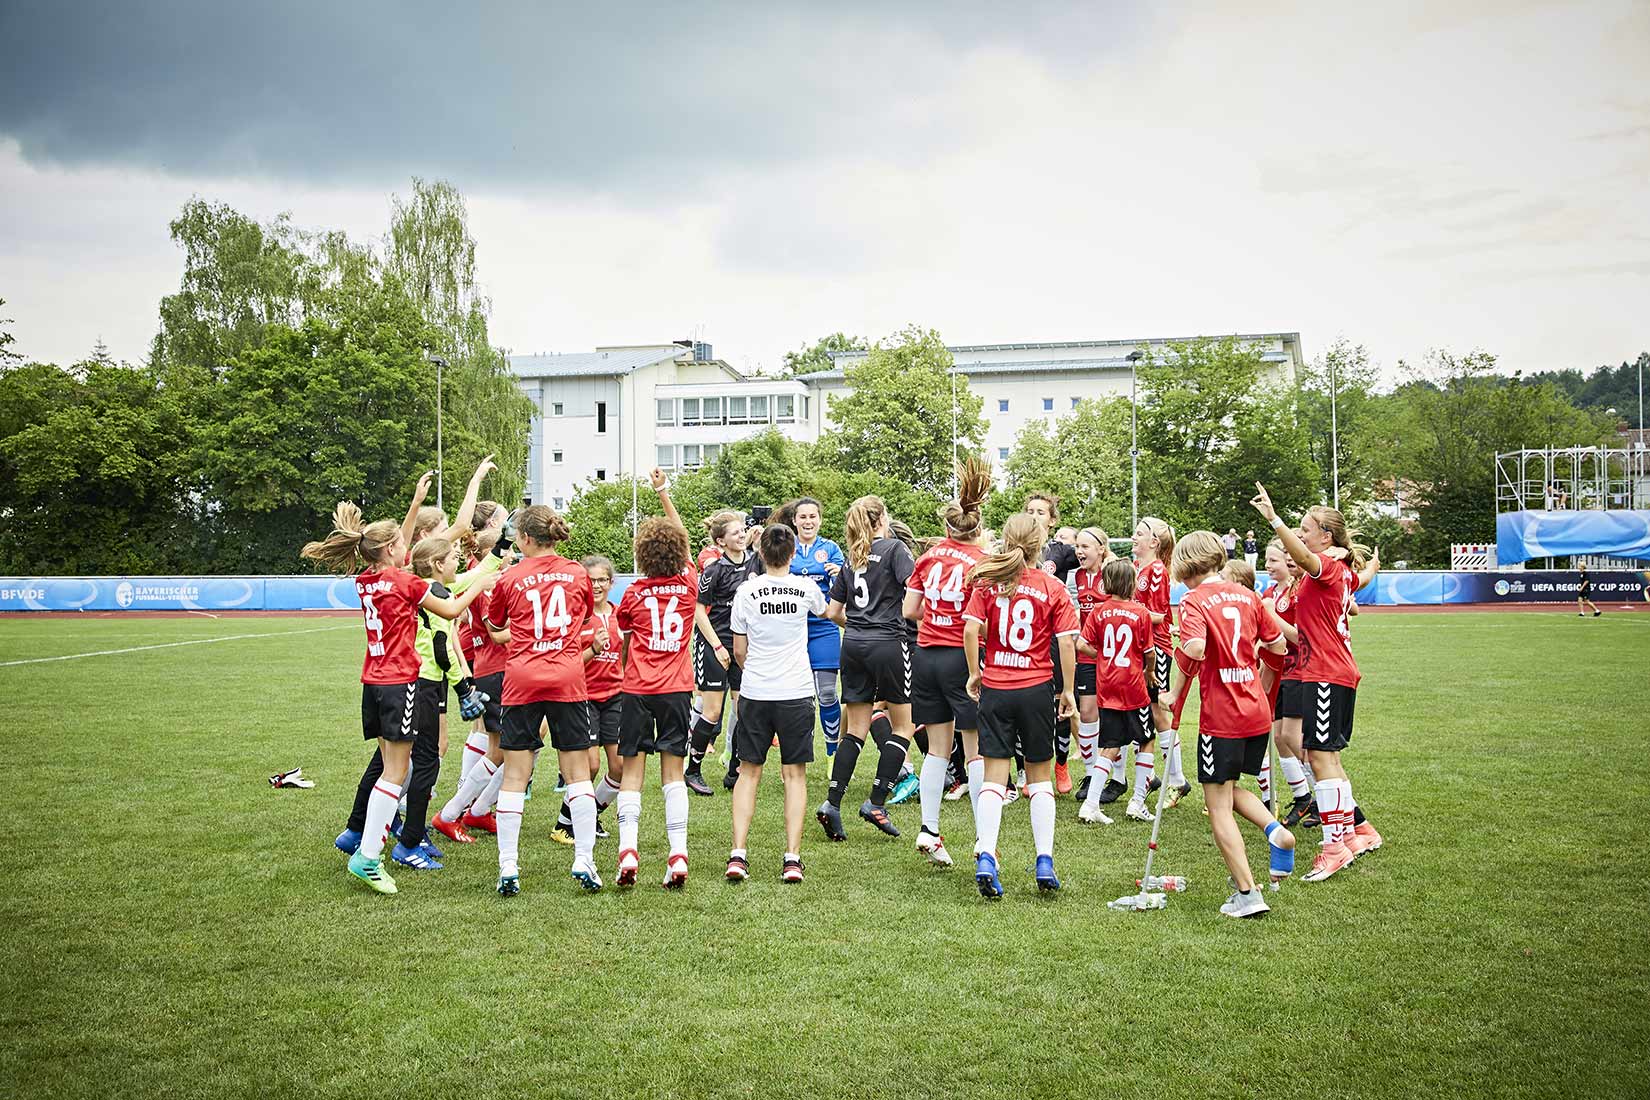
column 868, row 597
column 1059, row 559
column 715, row 673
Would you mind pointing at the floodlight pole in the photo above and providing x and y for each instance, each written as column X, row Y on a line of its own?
column 439, row 479
column 1334, row 434
column 1134, row 358
column 956, row 489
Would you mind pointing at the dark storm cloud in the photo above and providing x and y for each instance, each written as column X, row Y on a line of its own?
column 649, row 97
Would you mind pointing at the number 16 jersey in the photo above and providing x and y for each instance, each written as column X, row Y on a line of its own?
column 656, row 615
column 544, row 601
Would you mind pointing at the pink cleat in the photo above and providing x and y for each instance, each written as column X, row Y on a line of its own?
column 1364, row 838
column 1331, row 858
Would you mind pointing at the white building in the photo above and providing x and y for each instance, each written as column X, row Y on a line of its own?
column 1022, row 382
column 620, row 411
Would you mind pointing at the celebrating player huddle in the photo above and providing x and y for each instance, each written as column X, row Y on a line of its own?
column 1003, row 648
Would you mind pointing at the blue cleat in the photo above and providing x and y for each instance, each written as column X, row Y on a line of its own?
column 431, row 850
column 509, row 885
column 1047, row 881
column 904, row 789
column 587, row 877
column 414, row 858
column 985, row 874
column 348, row 841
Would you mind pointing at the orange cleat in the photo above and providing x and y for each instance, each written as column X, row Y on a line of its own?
column 452, row 830
column 487, row 823
column 1364, row 838
column 1062, row 779
column 1331, row 858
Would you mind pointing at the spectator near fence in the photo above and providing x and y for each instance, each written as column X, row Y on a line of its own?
column 1230, row 541
column 1251, row 549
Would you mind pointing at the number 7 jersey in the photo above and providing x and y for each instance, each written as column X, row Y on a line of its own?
column 656, row 615
column 544, row 601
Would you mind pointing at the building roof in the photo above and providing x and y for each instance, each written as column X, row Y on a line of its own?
column 1022, row 366
column 594, row 364
column 961, row 349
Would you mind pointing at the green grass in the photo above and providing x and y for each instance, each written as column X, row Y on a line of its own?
column 175, row 927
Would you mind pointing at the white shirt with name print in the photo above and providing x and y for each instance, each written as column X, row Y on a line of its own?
column 772, row 614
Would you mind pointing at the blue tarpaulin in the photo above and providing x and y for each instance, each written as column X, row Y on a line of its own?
column 1520, row 536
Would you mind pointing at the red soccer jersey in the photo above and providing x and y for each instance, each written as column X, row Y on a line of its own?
column 940, row 576
column 1151, row 588
column 603, row 673
column 708, row 555
column 1122, row 631
column 1322, row 604
column 1231, row 623
column 657, row 614
column 1090, row 592
column 389, row 604
column 1284, row 599
column 489, row 655
column 544, row 601
column 1020, row 628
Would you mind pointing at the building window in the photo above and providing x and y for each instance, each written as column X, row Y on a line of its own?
column 759, row 410
column 666, row 413
column 690, row 456
column 601, row 418
column 1048, row 404
column 555, row 457
column 1002, row 454
column 665, row 457
column 1002, row 404
column 1075, row 401
column 558, row 503
column 601, row 474
column 713, row 451
column 736, row 410
column 690, row 410
column 555, row 408
column 804, row 407
column 713, row 410
column 786, row 408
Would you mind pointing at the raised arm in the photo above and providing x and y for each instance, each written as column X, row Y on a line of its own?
column 662, row 487
column 472, row 493
column 1304, row 558
column 419, row 494
column 453, row 606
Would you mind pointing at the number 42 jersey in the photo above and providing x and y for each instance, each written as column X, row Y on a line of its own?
column 656, row 615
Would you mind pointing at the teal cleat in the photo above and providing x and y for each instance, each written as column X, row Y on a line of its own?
column 371, row 872
column 509, row 885
column 904, row 789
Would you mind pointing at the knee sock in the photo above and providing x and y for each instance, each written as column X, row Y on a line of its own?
column 1311, row 780
column 1173, row 774
column 1098, row 779
column 889, row 766
column 630, row 816
column 469, row 789
column 488, row 798
column 1041, row 796
column 1357, row 815
column 1265, row 779
column 842, row 768
column 581, row 805
column 830, row 711
column 1329, row 809
column 606, row 792
column 976, row 781
column 1087, row 734
column 881, row 729
column 1062, row 739
column 510, row 807
column 704, row 734
column 931, row 791
column 919, row 736
column 475, row 751
column 564, row 817
column 988, row 817
column 1350, row 814
column 1143, row 764
column 676, row 817
column 958, row 763
column 1294, row 775
column 415, row 826
column 381, row 805
column 363, row 791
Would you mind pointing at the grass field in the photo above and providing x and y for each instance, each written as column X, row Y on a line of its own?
column 175, row 927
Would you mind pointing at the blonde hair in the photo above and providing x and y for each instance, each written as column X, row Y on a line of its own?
column 1099, row 535
column 717, row 525
column 1164, row 535
column 429, row 518
column 352, row 539
column 1022, row 545
column 543, row 524
column 962, row 516
column 1239, row 572
column 1334, row 525
column 859, row 529
column 428, row 553
column 1198, row 554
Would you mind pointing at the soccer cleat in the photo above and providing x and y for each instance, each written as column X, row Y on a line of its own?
column 601, row 830
column 1011, row 796
column 348, row 841
column 1331, row 858
column 956, row 790
column 904, row 789
column 877, row 816
column 1092, row 815
column 431, row 850
column 731, row 780
column 1137, row 810
column 792, row 871
column 1596, row 614
column 561, row 783
column 985, row 876
column 508, row 886
column 738, row 869
column 586, row 876
column 1298, row 811
column 1152, row 785
column 1363, row 839
column 452, row 830
column 1252, row 904
column 1176, row 794
column 414, row 858
column 1111, row 792
column 371, row 872
column 675, row 872
column 1082, row 794
column 486, row 822
column 629, row 863
column 561, row 834
column 695, row 780
column 830, row 817
column 1062, row 779
column 1047, row 881
column 932, row 845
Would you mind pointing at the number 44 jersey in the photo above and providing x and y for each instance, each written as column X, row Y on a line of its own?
column 1021, row 625
column 544, row 602
column 657, row 616
column 941, row 575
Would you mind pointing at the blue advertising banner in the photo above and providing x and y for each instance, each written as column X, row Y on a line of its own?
column 1520, row 536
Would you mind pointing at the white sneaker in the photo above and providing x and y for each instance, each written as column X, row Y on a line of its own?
column 933, row 846
column 1137, row 810
column 1090, row 814
column 1012, row 794
column 1252, row 904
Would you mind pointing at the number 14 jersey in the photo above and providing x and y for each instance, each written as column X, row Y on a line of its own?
column 1020, row 627
column 544, row 601
column 656, row 615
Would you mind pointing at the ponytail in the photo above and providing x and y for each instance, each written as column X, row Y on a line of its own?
column 1022, row 544
column 860, row 528
column 351, row 539
column 962, row 516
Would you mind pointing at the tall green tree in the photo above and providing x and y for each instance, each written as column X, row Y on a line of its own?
column 897, row 421
column 8, row 357
column 809, row 360
column 1344, row 373
column 1084, row 461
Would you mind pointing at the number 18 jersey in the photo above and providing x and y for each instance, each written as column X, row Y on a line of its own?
column 657, row 616
column 1020, row 628
column 544, row 601
column 940, row 576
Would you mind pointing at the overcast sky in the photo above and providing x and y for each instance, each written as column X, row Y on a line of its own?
column 1407, row 175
